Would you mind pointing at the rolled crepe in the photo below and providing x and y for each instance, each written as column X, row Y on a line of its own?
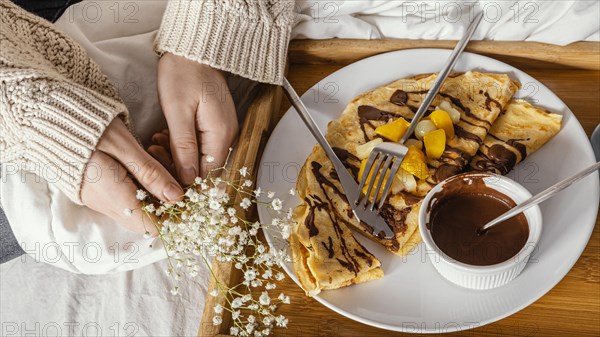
column 517, row 133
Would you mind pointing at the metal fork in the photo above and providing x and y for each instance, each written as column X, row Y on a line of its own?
column 377, row 224
column 388, row 156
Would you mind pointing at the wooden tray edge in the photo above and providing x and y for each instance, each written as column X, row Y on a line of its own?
column 583, row 55
column 253, row 137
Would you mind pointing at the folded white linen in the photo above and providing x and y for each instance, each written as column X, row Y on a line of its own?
column 39, row 300
column 555, row 22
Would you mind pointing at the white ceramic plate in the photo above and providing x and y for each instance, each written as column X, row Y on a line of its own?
column 413, row 297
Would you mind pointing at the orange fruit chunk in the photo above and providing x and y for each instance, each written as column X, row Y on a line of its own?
column 361, row 172
column 415, row 163
column 442, row 120
column 435, row 143
column 393, row 131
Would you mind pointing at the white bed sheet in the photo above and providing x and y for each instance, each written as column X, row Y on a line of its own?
column 38, row 298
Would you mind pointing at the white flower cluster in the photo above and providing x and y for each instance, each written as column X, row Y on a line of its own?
column 205, row 225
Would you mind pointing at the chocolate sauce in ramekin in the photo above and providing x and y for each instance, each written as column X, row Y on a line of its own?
column 461, row 208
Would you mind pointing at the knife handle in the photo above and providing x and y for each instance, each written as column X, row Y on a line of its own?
column 443, row 74
column 312, row 126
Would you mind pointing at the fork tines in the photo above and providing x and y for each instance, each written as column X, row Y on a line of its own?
column 382, row 166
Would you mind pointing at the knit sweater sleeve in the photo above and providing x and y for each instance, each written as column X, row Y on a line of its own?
column 245, row 37
column 54, row 101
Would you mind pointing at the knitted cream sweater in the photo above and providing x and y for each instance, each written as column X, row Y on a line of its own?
column 55, row 103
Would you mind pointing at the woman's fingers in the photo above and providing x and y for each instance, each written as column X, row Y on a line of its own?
column 183, row 144
column 163, row 156
column 218, row 125
column 179, row 91
column 108, row 190
column 120, row 144
column 162, row 139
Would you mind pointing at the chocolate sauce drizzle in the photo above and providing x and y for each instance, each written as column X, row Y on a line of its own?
column 346, row 157
column 466, row 110
column 489, row 100
column 500, row 159
column 349, row 262
column 464, row 134
column 367, row 114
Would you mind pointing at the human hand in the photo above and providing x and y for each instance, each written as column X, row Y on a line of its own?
column 161, row 150
column 108, row 188
column 200, row 114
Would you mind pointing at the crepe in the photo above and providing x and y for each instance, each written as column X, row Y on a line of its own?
column 518, row 132
column 326, row 253
column 479, row 97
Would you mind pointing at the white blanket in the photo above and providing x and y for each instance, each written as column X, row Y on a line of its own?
column 119, row 37
column 556, row 22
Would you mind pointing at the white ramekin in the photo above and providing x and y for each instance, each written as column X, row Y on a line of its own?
column 482, row 277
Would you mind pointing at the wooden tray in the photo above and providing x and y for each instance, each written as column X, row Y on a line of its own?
column 572, row 72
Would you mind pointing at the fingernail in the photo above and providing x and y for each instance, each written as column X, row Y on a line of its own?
column 173, row 192
column 188, row 175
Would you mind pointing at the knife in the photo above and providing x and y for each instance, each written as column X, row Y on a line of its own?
column 373, row 220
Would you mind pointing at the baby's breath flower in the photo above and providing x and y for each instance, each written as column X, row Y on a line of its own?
column 281, row 321
column 236, row 303
column 204, row 227
column 249, row 275
column 210, row 159
column 141, row 195
column 231, row 211
column 246, row 203
column 277, row 204
column 264, row 298
column 150, row 208
column 128, row 212
column 284, row 299
column 249, row 328
column 292, row 191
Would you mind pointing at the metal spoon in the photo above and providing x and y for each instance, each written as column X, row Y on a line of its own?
column 542, row 196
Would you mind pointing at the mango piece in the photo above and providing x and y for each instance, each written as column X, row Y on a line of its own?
column 361, row 172
column 435, row 143
column 442, row 120
column 415, row 163
column 393, row 131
